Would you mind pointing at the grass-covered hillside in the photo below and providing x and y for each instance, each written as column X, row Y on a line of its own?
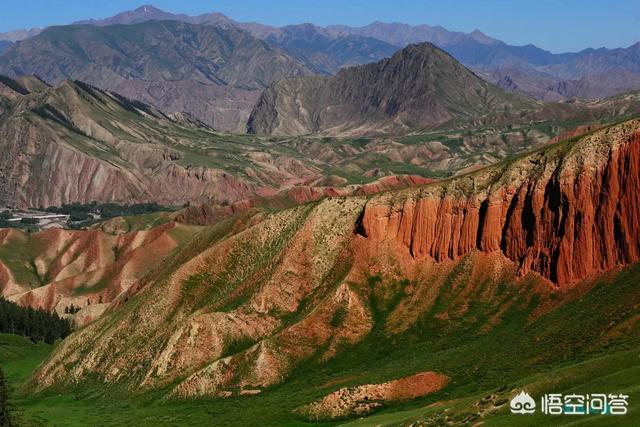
column 581, row 341
column 261, row 318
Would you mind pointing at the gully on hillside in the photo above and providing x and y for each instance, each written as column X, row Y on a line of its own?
column 250, row 300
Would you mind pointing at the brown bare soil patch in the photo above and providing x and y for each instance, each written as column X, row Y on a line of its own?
column 353, row 401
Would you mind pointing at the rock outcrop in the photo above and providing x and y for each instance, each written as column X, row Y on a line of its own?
column 564, row 212
column 253, row 298
column 363, row 399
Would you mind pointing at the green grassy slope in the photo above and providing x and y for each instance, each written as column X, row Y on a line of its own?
column 617, row 371
column 588, row 344
column 19, row 357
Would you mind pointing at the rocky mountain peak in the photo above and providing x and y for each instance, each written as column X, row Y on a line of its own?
column 422, row 52
column 481, row 37
column 147, row 8
column 419, row 86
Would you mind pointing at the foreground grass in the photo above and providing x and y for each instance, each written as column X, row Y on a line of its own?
column 19, row 357
column 618, row 373
column 588, row 344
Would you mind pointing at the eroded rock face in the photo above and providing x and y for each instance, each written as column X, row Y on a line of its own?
column 563, row 216
column 88, row 269
column 252, row 299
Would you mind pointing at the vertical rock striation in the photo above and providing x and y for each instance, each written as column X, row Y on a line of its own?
column 565, row 212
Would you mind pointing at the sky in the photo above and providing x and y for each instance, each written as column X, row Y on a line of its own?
column 555, row 25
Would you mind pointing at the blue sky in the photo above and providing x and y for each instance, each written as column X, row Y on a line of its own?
column 556, row 25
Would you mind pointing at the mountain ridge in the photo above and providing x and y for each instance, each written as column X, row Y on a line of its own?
column 419, row 86
column 92, row 137
column 341, row 252
column 212, row 73
column 475, row 49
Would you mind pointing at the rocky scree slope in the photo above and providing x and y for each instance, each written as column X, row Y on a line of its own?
column 252, row 299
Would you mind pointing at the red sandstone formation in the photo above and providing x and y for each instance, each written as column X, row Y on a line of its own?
column 207, row 214
column 295, row 283
column 580, row 130
column 565, row 212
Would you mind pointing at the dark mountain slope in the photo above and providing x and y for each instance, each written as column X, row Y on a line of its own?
column 213, row 73
column 326, row 53
column 4, row 44
column 419, row 87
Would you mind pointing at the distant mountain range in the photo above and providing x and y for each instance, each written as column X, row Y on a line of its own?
column 186, row 66
column 17, row 35
column 214, row 73
column 528, row 69
column 325, row 53
column 4, row 44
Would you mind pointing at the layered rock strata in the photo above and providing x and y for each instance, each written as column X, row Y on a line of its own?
column 565, row 212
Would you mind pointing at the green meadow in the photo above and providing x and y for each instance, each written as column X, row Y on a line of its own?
column 588, row 344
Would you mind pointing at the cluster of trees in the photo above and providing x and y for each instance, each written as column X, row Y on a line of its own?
column 29, row 220
column 38, row 325
column 25, row 223
column 82, row 212
column 4, row 216
column 71, row 309
column 6, row 409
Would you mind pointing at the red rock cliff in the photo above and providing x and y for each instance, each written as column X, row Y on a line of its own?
column 568, row 211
